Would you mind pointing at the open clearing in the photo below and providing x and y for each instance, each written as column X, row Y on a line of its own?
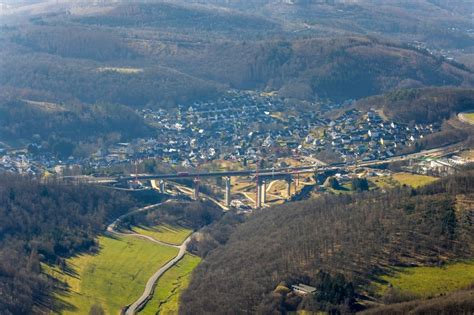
column 170, row 286
column 396, row 179
column 112, row 278
column 165, row 233
column 384, row 182
column 413, row 180
column 431, row 281
column 121, row 70
column 467, row 117
column 470, row 117
column 46, row 106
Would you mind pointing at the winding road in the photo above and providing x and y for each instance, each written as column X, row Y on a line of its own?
column 151, row 283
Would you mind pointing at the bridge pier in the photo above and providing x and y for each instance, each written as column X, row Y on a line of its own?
column 261, row 195
column 162, row 186
column 289, row 179
column 258, row 196
column 196, row 189
column 227, row 191
column 264, row 191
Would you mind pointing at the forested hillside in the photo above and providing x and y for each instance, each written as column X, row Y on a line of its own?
column 177, row 17
column 179, row 54
column 193, row 215
column 69, row 79
column 428, row 105
column 62, row 128
column 439, row 24
column 46, row 222
column 337, row 244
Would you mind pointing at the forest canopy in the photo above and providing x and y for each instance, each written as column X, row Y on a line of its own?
column 47, row 222
column 352, row 238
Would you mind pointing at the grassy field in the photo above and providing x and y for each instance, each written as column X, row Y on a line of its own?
column 112, row 278
column 468, row 154
column 384, row 182
column 169, row 287
column 469, row 117
column 165, row 233
column 431, row 281
column 413, row 180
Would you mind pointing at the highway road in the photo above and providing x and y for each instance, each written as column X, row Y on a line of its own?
column 269, row 173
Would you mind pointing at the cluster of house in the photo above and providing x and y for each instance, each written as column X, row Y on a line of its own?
column 18, row 163
column 438, row 166
column 242, row 126
column 357, row 135
column 22, row 162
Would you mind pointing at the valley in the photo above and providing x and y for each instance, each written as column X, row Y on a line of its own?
column 236, row 157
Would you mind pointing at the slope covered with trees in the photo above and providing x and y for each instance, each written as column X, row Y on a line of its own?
column 46, row 222
column 428, row 105
column 339, row 68
column 337, row 244
column 185, row 53
column 55, row 126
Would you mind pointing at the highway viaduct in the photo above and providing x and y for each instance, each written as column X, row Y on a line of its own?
column 260, row 177
column 263, row 176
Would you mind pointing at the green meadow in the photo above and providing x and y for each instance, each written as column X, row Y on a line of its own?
column 431, row 281
column 112, row 278
column 165, row 233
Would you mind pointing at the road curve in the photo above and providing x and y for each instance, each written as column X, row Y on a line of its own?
column 112, row 226
column 150, row 285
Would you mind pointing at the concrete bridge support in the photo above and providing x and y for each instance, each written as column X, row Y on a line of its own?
column 227, row 191
column 261, row 196
column 264, row 191
column 162, row 186
column 258, row 196
column 289, row 180
column 196, row 189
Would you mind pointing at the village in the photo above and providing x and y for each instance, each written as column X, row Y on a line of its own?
column 241, row 127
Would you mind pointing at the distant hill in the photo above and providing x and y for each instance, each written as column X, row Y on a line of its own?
column 178, row 17
column 336, row 244
column 428, row 105
column 437, row 23
column 63, row 128
column 180, row 69
column 191, row 51
column 338, row 69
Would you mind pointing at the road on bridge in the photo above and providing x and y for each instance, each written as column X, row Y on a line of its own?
column 269, row 173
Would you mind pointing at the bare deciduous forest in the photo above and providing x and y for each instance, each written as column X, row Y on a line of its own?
column 354, row 239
